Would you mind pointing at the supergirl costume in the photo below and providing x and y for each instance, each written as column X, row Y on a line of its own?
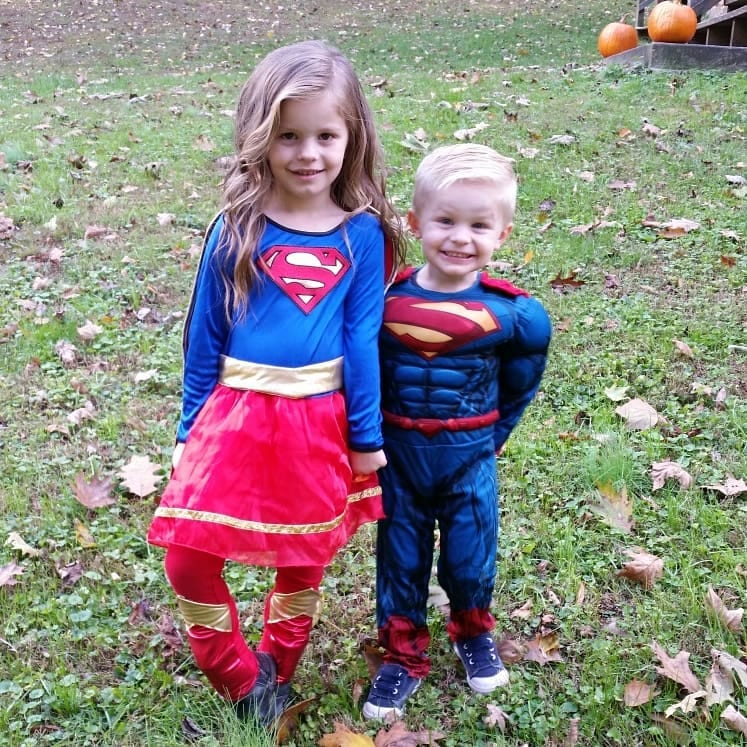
column 458, row 370
column 273, row 401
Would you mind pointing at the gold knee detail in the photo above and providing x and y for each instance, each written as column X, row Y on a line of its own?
column 214, row 616
column 287, row 606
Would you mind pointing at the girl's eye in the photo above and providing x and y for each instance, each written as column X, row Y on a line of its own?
column 286, row 136
column 326, row 136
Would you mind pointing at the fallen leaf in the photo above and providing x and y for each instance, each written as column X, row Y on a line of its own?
column 615, row 507
column 683, row 348
column 719, row 684
column 734, row 720
column 543, row 649
column 559, row 283
column 638, row 415
column 616, row 393
column 687, row 705
column 66, row 351
column 93, row 493
column 675, row 731
column 663, row 471
column 496, row 717
column 8, row 573
column 85, row 538
column 343, row 737
column 87, row 412
column 524, row 612
column 18, row 543
column 70, row 573
column 287, row 723
column 638, row 692
column 139, row 476
column 676, row 669
column 510, row 650
column 642, row 567
column 730, row 619
column 730, row 487
column 399, row 736
column 89, row 330
column 373, row 654
column 731, row 664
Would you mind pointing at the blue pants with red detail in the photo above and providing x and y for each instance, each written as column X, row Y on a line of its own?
column 448, row 480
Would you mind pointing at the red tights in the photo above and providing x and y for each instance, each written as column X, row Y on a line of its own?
column 223, row 655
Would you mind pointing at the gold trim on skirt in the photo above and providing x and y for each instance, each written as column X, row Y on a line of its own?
column 305, row 381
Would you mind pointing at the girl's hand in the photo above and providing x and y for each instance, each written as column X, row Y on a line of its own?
column 365, row 463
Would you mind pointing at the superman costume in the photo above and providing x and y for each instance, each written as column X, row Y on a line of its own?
column 458, row 370
column 273, row 401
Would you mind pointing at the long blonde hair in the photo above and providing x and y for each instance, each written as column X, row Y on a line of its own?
column 294, row 72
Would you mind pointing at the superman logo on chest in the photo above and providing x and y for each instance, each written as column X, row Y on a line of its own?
column 431, row 328
column 305, row 274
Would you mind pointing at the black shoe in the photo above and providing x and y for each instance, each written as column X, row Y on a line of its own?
column 484, row 668
column 261, row 701
column 390, row 690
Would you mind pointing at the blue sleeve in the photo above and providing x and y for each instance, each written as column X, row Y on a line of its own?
column 364, row 309
column 205, row 333
column 522, row 365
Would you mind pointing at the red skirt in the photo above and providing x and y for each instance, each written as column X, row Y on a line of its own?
column 266, row 480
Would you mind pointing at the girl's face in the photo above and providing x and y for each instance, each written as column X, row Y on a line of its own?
column 307, row 152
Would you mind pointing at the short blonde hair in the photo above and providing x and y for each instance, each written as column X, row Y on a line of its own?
column 465, row 162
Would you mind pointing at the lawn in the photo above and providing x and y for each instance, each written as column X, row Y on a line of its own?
column 622, row 573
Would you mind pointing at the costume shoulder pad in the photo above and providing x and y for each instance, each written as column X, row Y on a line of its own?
column 501, row 285
column 403, row 274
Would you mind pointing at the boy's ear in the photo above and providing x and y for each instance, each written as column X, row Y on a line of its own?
column 504, row 234
column 413, row 223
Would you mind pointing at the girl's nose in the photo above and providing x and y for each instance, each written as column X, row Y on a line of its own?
column 307, row 150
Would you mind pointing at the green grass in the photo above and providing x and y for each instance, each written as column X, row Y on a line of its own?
column 121, row 131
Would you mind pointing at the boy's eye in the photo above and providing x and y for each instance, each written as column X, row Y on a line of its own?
column 480, row 225
column 444, row 221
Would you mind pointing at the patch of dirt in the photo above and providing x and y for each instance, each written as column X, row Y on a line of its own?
column 38, row 33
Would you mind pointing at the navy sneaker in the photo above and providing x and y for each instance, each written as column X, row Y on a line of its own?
column 390, row 689
column 485, row 670
column 261, row 702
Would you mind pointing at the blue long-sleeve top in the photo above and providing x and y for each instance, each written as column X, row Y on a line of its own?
column 316, row 299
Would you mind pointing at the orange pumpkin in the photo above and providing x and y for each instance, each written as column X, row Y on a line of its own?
column 670, row 21
column 616, row 37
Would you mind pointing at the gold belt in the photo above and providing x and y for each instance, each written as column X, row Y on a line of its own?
column 305, row 381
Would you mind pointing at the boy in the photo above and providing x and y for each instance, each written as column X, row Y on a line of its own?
column 462, row 355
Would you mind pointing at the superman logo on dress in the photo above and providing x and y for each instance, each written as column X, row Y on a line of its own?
column 305, row 274
column 431, row 328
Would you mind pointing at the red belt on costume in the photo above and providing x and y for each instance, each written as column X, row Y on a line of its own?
column 431, row 426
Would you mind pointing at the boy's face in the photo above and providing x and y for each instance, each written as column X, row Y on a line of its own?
column 459, row 227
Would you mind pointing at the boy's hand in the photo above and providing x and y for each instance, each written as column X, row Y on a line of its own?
column 364, row 463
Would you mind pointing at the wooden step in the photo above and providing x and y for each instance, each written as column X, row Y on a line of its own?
column 727, row 30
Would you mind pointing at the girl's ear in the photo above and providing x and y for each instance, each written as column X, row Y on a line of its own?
column 413, row 223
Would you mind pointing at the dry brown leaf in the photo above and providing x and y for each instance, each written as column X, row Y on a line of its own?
column 642, row 567
column 18, row 543
column 95, row 232
column 70, row 573
column 510, row 650
column 287, row 723
column 373, row 653
column 638, row 692
column 343, row 737
column 615, row 507
column 83, row 534
column 676, row 669
column 89, row 330
column 139, row 476
column 496, row 717
column 399, row 736
column 736, row 668
column 734, row 720
column 638, row 415
column 524, row 612
column 67, row 352
column 663, row 471
column 731, row 486
column 730, row 619
column 719, row 685
column 94, row 493
column 684, row 348
column 687, row 705
column 673, row 729
column 543, row 649
column 9, row 572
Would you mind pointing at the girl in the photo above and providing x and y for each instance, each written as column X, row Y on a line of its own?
column 280, row 431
